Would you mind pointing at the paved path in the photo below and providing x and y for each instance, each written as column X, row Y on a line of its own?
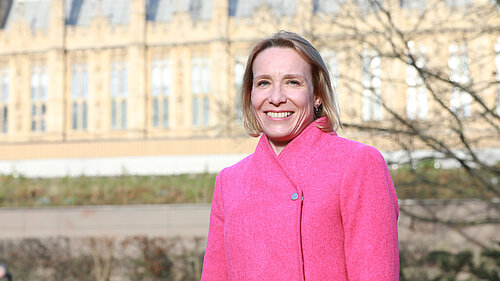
column 191, row 220
column 116, row 221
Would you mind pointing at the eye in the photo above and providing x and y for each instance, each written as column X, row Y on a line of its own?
column 293, row 82
column 262, row 83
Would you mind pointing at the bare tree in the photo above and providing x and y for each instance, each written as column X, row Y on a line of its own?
column 443, row 53
column 424, row 76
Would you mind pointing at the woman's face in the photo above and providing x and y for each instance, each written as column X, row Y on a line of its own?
column 282, row 95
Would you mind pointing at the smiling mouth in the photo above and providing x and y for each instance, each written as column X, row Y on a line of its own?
column 279, row 114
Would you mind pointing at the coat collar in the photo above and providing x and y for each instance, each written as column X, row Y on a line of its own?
column 301, row 148
column 306, row 141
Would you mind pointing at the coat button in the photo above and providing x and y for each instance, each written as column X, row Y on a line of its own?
column 295, row 196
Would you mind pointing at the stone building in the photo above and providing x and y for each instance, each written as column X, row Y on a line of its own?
column 95, row 79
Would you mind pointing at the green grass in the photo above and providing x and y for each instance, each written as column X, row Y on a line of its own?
column 425, row 182
column 25, row 192
column 418, row 183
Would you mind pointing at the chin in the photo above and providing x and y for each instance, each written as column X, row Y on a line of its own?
column 280, row 137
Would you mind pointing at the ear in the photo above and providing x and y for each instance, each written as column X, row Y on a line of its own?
column 317, row 101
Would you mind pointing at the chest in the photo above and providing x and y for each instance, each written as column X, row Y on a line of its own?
column 266, row 195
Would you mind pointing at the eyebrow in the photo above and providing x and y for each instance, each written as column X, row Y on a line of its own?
column 261, row 76
column 286, row 76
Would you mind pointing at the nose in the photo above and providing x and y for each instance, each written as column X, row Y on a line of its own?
column 277, row 96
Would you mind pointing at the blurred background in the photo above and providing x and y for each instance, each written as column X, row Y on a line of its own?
column 116, row 116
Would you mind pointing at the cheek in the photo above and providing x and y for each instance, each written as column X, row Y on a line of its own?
column 256, row 98
column 305, row 102
column 253, row 101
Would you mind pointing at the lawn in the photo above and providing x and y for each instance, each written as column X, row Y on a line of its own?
column 67, row 191
column 420, row 183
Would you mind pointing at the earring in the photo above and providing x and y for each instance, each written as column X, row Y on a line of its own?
column 316, row 108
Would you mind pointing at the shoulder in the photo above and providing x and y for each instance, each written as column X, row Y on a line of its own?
column 236, row 169
column 353, row 148
column 350, row 152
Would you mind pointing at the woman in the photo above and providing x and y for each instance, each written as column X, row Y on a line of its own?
column 307, row 204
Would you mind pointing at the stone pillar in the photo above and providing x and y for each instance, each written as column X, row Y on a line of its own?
column 137, row 68
column 56, row 70
column 220, row 65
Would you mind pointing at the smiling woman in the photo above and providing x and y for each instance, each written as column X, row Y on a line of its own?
column 282, row 95
column 307, row 204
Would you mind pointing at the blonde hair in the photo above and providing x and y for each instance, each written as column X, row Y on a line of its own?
column 321, row 81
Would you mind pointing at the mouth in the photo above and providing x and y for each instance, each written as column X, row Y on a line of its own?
column 279, row 115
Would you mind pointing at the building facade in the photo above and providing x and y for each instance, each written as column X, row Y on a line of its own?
column 131, row 78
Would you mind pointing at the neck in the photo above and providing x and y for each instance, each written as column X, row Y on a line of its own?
column 278, row 146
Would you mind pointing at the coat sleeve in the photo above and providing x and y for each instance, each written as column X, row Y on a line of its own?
column 214, row 263
column 369, row 210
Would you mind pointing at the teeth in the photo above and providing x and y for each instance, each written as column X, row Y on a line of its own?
column 279, row 114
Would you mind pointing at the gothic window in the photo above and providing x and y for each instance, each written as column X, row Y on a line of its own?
column 458, row 62
column 371, row 102
column 119, row 94
column 239, row 71
column 416, row 92
column 4, row 100
column 161, row 83
column 79, row 97
column 200, row 86
column 38, row 84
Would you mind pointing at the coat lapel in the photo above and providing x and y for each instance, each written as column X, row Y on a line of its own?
column 296, row 160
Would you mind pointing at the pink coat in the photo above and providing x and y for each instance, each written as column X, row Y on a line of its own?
column 324, row 209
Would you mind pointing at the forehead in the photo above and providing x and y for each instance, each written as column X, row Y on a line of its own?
column 282, row 60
